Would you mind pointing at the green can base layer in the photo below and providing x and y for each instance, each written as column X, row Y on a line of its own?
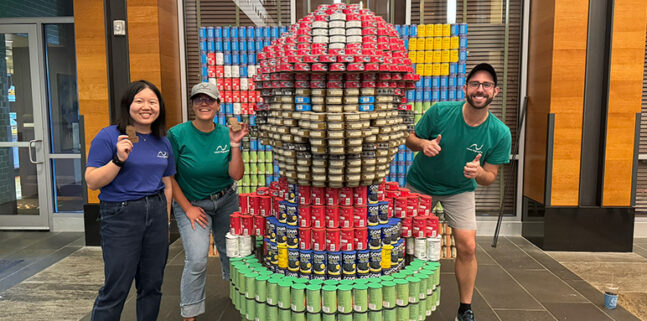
column 260, row 294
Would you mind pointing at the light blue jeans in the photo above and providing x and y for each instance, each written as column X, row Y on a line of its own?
column 196, row 248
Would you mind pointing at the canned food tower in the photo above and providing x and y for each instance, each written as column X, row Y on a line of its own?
column 339, row 243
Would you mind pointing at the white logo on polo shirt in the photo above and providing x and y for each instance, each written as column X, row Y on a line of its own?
column 162, row 154
column 475, row 148
column 221, row 150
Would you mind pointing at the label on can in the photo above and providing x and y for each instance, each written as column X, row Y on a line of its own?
column 346, row 216
column 334, row 263
column 363, row 260
column 305, row 238
column 361, row 238
column 375, row 237
column 349, row 264
column 305, row 261
column 319, row 262
column 293, row 260
column 374, row 260
column 373, row 216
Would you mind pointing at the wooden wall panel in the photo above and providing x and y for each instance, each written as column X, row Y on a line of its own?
column 540, row 55
column 154, row 50
column 91, row 68
column 567, row 98
column 625, row 94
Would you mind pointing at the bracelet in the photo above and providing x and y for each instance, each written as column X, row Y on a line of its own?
column 234, row 144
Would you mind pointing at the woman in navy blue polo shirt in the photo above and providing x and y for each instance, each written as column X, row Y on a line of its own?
column 133, row 174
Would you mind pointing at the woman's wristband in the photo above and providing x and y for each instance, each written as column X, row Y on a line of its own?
column 234, row 144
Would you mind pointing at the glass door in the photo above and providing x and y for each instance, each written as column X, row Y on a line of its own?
column 23, row 204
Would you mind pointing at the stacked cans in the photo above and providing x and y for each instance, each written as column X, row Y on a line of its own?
column 334, row 106
column 228, row 59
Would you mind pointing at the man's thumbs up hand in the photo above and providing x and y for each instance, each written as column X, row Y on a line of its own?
column 472, row 169
column 432, row 147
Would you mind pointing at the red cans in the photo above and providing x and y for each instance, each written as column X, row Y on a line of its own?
column 357, row 66
column 305, row 238
column 265, row 205
column 259, row 225
column 359, row 196
column 318, row 214
column 404, row 192
column 332, row 196
column 346, row 196
column 400, row 207
column 433, row 226
column 346, row 214
column 235, row 227
column 412, row 204
column 425, row 205
column 419, row 226
column 243, row 203
column 347, row 241
column 275, row 206
column 332, row 216
column 392, row 186
column 333, row 240
column 304, row 195
column 318, row 239
column 302, row 67
column 338, row 66
column 361, row 238
column 359, row 216
column 318, row 195
column 319, row 67
column 254, row 204
column 407, row 227
column 247, row 225
column 305, row 216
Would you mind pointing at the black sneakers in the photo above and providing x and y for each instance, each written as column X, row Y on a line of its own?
column 466, row 316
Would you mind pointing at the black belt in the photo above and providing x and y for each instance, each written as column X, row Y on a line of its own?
column 217, row 195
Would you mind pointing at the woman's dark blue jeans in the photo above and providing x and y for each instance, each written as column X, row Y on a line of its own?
column 134, row 240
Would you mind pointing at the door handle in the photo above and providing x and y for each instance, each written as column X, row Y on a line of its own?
column 31, row 144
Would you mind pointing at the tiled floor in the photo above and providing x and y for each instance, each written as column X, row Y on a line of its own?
column 516, row 281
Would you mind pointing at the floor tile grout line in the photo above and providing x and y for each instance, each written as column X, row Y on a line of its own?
column 518, row 283
column 30, row 264
column 551, row 272
column 19, row 250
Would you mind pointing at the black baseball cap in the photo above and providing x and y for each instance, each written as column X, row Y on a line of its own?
column 482, row 67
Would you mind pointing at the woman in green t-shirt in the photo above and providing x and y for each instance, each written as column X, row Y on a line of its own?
column 209, row 160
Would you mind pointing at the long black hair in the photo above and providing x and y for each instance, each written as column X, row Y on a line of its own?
column 158, row 127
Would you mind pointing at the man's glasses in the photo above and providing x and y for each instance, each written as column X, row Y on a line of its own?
column 475, row 84
column 205, row 99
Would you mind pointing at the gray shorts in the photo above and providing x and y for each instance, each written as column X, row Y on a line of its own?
column 460, row 209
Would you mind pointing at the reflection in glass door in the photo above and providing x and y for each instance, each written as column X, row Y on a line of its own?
column 22, row 179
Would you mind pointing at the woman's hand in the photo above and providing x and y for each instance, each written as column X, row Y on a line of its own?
column 124, row 147
column 236, row 137
column 197, row 214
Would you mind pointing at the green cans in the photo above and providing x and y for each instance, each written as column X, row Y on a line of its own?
column 272, row 291
column 414, row 289
column 360, row 298
column 261, row 288
column 401, row 292
column 298, row 297
column 388, row 293
column 375, row 297
column 345, row 299
column 284, row 294
column 329, row 298
column 313, row 298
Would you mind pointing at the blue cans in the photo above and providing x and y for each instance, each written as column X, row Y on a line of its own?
column 462, row 29
column 366, row 99
column 203, row 44
column 426, row 82
column 234, row 32
column 211, row 45
column 460, row 94
column 303, row 107
column 266, row 42
column 302, row 99
column 453, row 68
column 451, row 81
column 253, row 144
column 292, row 212
column 252, row 120
column 383, row 212
column 334, row 265
column 375, row 237
column 452, row 93
column 319, row 263
column 418, row 94
column 363, row 261
column 460, row 81
column 270, row 228
column 444, row 81
column 258, row 45
column 405, row 31
column 371, row 193
column 373, row 216
column 258, row 32
column 293, row 260
column 251, row 57
column 305, row 262
column 266, row 32
column 413, row 31
column 227, row 58
column 292, row 236
column 443, row 94
column 462, row 56
column 411, row 94
column 234, row 45
column 375, row 257
column 203, row 32
column 281, row 230
column 226, row 45
column 210, row 32
column 462, row 42
column 274, row 250
column 229, row 108
column 453, row 30
column 218, row 45
column 282, row 30
column 243, row 58
column 235, row 58
column 221, row 119
column 274, row 32
column 461, row 68
column 435, row 81
column 349, row 264
column 225, row 33
column 282, row 214
column 241, row 32
column 435, row 94
column 251, row 44
column 242, row 45
column 366, row 107
column 426, row 94
column 250, row 32
column 218, row 32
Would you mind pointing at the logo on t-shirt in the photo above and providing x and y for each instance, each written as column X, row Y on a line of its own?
column 221, row 150
column 162, row 154
column 475, row 148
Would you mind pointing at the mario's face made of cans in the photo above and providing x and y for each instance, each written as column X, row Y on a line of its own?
column 334, row 106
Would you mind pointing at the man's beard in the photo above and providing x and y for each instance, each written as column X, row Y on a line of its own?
column 471, row 102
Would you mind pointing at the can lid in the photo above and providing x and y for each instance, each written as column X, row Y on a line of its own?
column 274, row 280
column 360, row 287
column 374, row 285
column 399, row 275
column 285, row 283
column 313, row 287
column 345, row 287
column 400, row 281
column 316, row 282
column 301, row 281
column 386, row 278
column 346, row 282
column 251, row 274
column 262, row 278
column 330, row 288
column 331, row 282
column 299, row 286
column 361, row 281
column 413, row 279
column 388, row 283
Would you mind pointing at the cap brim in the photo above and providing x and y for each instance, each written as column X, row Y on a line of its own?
column 206, row 93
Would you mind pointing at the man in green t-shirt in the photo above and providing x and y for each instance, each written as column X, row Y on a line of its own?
column 462, row 144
